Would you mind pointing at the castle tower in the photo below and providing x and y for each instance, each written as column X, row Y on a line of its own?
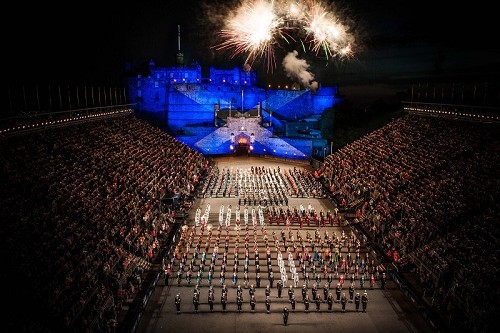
column 180, row 56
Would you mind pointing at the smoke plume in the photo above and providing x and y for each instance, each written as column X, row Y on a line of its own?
column 298, row 69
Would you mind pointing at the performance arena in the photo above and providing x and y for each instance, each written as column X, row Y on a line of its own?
column 106, row 219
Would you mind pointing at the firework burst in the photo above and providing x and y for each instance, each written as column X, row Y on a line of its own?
column 325, row 33
column 253, row 30
column 256, row 28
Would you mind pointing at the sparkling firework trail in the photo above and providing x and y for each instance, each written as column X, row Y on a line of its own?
column 325, row 32
column 252, row 30
column 257, row 26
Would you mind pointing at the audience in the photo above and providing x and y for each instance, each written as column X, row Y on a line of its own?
column 83, row 214
column 427, row 191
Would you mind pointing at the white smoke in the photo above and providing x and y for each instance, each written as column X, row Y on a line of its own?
column 298, row 69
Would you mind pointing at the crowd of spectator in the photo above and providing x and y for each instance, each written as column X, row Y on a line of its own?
column 427, row 191
column 83, row 216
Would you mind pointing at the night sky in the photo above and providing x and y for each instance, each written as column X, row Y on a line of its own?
column 399, row 43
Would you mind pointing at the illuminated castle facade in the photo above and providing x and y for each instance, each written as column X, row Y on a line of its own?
column 215, row 115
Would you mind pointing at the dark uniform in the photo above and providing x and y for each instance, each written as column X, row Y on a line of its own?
column 290, row 293
column 338, row 291
column 251, row 290
column 343, row 301
column 239, row 302
column 268, row 304
column 211, row 301
column 351, row 293
column 314, row 291
column 382, row 281
column 306, row 302
column 196, row 301
column 357, row 300
column 252, row 302
column 223, row 300
column 268, row 291
column 318, row 302
column 279, row 285
column 329, row 300
column 178, row 303
column 326, row 289
column 292, row 301
column 364, row 301
column 285, row 315
column 304, row 292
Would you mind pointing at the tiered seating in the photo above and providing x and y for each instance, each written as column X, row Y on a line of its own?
column 81, row 209
column 428, row 192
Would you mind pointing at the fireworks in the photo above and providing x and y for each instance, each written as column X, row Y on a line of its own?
column 257, row 27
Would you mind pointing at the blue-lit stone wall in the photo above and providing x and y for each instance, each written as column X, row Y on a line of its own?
column 183, row 98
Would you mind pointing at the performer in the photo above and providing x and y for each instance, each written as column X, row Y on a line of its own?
column 196, row 301
column 364, row 301
column 279, row 285
column 178, row 303
column 211, row 301
column 338, row 291
column 343, row 301
column 292, row 302
column 223, row 300
column 329, row 300
column 351, row 293
column 239, row 302
column 318, row 302
column 252, row 302
column 268, row 304
column 290, row 292
column 357, row 300
column 285, row 315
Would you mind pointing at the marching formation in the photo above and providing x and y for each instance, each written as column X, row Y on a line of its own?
column 328, row 265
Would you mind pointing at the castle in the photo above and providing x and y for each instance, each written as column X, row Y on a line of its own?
column 229, row 110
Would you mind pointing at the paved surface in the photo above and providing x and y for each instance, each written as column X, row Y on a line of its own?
column 388, row 310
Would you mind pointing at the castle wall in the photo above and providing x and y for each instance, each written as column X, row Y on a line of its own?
column 179, row 97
